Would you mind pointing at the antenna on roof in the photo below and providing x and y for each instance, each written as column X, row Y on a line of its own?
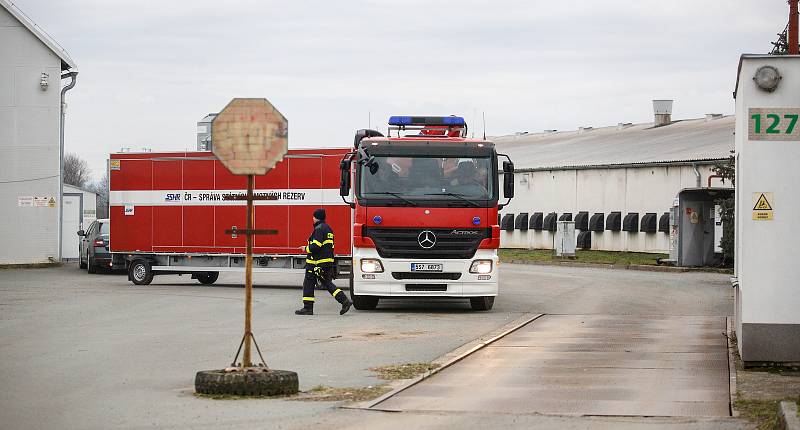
column 369, row 120
column 484, row 125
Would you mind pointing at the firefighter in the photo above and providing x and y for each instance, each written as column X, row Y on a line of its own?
column 320, row 266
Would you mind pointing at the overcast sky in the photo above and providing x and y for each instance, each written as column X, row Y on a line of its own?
column 149, row 70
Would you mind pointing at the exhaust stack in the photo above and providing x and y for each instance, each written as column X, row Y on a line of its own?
column 662, row 111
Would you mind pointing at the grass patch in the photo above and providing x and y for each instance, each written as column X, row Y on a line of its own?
column 322, row 393
column 764, row 413
column 583, row 256
column 403, row 371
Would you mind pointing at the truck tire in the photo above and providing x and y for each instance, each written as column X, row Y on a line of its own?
column 90, row 266
column 362, row 303
column 481, row 303
column 207, row 278
column 140, row 272
column 266, row 383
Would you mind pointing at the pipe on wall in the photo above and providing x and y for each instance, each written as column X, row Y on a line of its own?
column 74, row 77
column 698, row 178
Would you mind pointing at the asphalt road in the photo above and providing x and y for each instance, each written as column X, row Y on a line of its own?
column 94, row 351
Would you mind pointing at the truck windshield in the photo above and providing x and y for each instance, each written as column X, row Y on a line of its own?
column 458, row 179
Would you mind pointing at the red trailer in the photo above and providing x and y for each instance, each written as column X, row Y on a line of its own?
column 169, row 213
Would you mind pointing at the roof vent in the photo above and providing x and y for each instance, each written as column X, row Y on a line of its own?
column 713, row 116
column 621, row 125
column 584, row 129
column 548, row 131
column 662, row 110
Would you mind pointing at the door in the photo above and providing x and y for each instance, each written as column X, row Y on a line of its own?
column 71, row 223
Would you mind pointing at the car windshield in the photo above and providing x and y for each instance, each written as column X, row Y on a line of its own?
column 104, row 229
column 463, row 179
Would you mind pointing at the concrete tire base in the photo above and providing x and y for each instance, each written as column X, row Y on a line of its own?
column 270, row 383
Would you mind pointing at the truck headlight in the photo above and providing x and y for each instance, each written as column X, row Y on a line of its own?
column 371, row 265
column 481, row 266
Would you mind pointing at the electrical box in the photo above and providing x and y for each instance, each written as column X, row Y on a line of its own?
column 767, row 299
column 565, row 239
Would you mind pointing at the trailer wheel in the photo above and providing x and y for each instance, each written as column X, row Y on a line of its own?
column 481, row 303
column 140, row 272
column 362, row 303
column 207, row 278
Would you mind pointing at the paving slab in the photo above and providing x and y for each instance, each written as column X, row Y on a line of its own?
column 604, row 365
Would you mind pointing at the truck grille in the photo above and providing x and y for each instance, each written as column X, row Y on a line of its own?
column 450, row 243
column 452, row 276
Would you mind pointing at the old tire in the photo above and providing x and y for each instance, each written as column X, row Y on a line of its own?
column 207, row 278
column 269, row 383
column 362, row 303
column 481, row 303
column 140, row 272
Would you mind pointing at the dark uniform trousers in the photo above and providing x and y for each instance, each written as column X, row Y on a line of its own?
column 320, row 265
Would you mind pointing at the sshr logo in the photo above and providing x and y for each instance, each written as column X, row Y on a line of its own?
column 172, row 197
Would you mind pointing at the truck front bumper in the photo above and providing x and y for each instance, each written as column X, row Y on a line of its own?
column 397, row 278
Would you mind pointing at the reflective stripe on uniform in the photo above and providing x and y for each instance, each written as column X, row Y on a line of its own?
column 336, row 292
column 308, row 299
column 320, row 261
column 323, row 243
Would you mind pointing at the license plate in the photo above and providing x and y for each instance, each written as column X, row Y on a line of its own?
column 426, row 267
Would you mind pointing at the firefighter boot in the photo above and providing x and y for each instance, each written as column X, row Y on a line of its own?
column 304, row 311
column 341, row 297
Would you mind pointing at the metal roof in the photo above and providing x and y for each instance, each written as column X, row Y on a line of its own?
column 66, row 62
column 682, row 141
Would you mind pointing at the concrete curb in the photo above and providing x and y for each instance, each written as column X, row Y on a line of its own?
column 640, row 267
column 731, row 369
column 788, row 413
column 448, row 359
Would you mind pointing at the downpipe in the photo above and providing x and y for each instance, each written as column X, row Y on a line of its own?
column 698, row 178
column 74, row 77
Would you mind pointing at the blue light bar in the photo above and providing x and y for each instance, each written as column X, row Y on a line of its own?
column 427, row 120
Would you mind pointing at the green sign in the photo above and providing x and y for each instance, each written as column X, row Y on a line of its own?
column 773, row 124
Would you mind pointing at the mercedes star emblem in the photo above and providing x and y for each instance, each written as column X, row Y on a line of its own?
column 426, row 239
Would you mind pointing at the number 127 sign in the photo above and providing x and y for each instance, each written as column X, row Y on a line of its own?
column 773, row 124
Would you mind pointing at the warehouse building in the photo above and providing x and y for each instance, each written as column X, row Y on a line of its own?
column 32, row 70
column 616, row 183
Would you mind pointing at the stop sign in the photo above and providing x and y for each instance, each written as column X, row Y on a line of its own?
column 249, row 136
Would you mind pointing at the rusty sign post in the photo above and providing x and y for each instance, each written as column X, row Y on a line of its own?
column 249, row 137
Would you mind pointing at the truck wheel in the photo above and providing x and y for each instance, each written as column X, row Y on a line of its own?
column 90, row 267
column 362, row 303
column 81, row 263
column 481, row 303
column 207, row 278
column 140, row 272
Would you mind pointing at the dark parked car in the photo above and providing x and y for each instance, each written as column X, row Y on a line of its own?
column 93, row 250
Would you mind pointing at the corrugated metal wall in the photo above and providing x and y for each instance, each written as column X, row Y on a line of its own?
column 29, row 145
column 639, row 190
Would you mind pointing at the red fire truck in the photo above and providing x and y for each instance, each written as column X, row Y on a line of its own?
column 421, row 219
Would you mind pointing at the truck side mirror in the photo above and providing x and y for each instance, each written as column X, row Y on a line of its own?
column 344, row 178
column 508, row 185
column 508, row 179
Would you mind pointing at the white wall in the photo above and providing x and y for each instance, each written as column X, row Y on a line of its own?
column 631, row 189
column 765, row 250
column 29, row 144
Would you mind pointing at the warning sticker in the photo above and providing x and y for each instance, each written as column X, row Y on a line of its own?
column 762, row 206
column 113, row 164
column 51, row 203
